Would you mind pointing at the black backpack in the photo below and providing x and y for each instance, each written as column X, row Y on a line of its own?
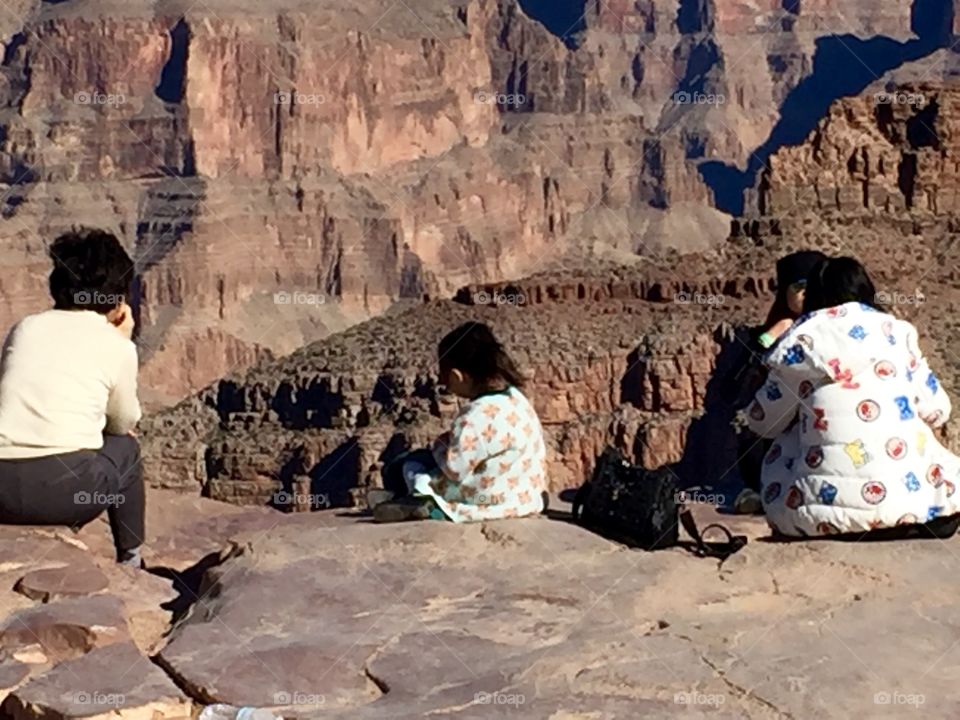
column 642, row 508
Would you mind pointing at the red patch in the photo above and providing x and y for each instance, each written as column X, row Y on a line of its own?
column 868, row 410
column 873, row 493
column 794, row 498
column 935, row 475
column 897, row 448
column 885, row 369
column 820, row 423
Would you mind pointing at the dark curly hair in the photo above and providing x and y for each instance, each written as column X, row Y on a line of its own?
column 91, row 271
column 473, row 349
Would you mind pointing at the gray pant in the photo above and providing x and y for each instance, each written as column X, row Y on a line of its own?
column 73, row 489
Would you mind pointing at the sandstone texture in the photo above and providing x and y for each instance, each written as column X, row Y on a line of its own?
column 327, row 615
column 77, row 632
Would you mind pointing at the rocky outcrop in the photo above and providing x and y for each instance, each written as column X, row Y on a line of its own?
column 623, row 357
column 77, row 631
column 883, row 153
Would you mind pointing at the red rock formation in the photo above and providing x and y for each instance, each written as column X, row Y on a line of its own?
column 368, row 158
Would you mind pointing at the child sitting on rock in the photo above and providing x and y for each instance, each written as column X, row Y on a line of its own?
column 491, row 464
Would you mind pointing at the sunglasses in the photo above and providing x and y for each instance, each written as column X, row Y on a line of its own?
column 798, row 286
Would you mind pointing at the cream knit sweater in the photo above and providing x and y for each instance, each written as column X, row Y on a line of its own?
column 66, row 377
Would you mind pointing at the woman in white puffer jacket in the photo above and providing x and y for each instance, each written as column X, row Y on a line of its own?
column 852, row 404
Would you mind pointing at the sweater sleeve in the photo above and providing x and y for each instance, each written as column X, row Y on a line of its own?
column 793, row 373
column 123, row 405
column 459, row 452
column 933, row 403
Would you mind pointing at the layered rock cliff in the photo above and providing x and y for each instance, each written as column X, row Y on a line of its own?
column 348, row 157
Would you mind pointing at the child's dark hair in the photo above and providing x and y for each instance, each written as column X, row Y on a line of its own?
column 473, row 349
column 91, row 271
column 837, row 281
column 790, row 269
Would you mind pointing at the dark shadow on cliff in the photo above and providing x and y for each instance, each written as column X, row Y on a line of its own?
column 712, row 459
column 843, row 66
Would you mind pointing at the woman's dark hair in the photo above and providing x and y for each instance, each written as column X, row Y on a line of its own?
column 91, row 271
column 791, row 269
column 473, row 349
column 837, row 281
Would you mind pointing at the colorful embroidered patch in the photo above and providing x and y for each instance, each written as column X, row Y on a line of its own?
column 814, row 456
column 868, row 410
column 794, row 498
column 773, row 391
column 827, row 494
column 873, row 492
column 912, row 482
column 936, row 475
column 774, row 454
column 857, row 453
column 885, row 370
column 903, row 404
column 896, row 448
column 794, row 355
column 771, row 493
column 820, row 422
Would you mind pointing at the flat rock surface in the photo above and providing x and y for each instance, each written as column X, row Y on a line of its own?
column 114, row 682
column 69, row 581
column 331, row 616
column 327, row 615
column 69, row 614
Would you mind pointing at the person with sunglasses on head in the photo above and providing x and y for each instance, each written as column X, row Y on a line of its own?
column 793, row 271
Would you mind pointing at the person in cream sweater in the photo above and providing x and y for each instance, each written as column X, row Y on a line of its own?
column 68, row 400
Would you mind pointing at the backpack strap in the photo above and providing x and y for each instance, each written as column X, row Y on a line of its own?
column 720, row 550
column 579, row 499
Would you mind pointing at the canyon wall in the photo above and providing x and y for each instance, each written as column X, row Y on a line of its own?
column 281, row 172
